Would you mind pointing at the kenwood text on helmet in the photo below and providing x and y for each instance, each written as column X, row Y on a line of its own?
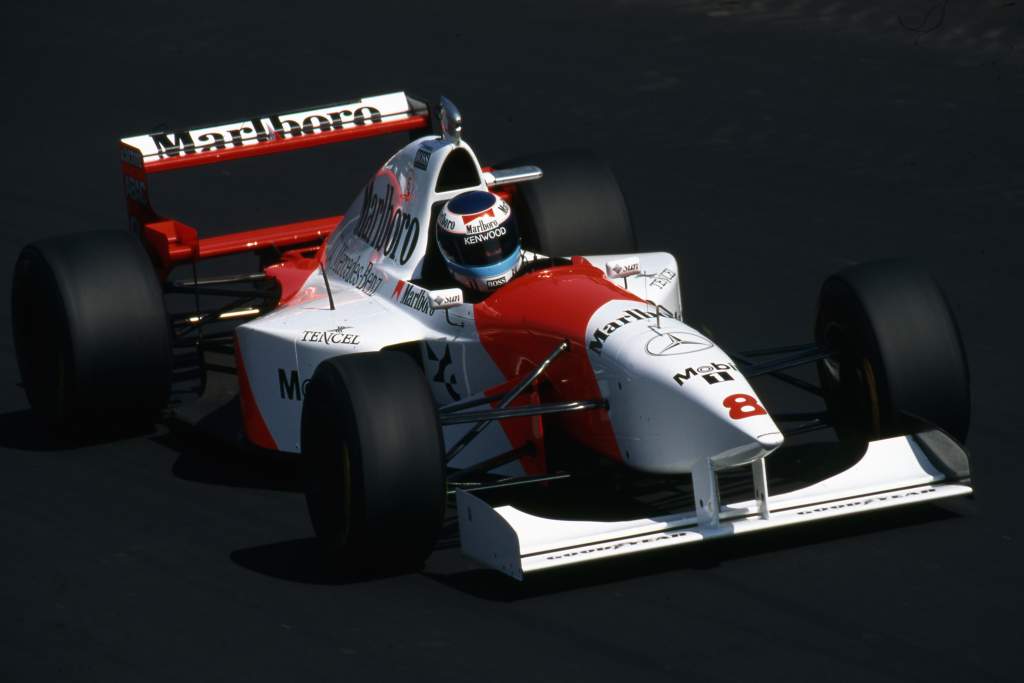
column 479, row 240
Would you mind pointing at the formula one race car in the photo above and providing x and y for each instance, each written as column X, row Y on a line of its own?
column 570, row 412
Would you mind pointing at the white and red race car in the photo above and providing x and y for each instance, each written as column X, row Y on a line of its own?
column 353, row 348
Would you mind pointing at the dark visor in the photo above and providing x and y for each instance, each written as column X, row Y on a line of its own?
column 481, row 249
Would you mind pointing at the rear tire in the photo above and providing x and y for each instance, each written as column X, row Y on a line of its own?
column 373, row 461
column 900, row 365
column 90, row 331
column 576, row 209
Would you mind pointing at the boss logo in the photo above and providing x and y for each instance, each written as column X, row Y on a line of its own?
column 422, row 159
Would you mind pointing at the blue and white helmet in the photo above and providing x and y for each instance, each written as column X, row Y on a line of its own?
column 479, row 240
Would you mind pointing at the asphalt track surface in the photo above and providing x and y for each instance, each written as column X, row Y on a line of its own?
column 765, row 145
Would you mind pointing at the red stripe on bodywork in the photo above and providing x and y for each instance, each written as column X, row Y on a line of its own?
column 252, row 421
column 521, row 323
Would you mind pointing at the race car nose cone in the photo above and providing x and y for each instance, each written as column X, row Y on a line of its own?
column 751, row 447
column 770, row 441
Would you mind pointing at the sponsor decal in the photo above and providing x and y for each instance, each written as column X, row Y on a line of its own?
column 360, row 275
column 444, row 374
column 602, row 332
column 331, row 337
column 483, row 225
column 422, row 159
column 496, row 282
column 662, row 279
column 262, row 129
column 664, row 312
column 866, row 501
column 135, row 190
column 391, row 231
column 446, row 298
column 291, row 388
column 618, row 545
column 424, row 300
column 712, row 373
column 477, row 237
column 407, row 181
column 470, row 217
column 623, row 267
column 669, row 535
column 675, row 342
column 743, row 405
column 416, row 298
column 131, row 156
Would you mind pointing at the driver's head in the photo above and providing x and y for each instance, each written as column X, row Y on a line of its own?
column 479, row 240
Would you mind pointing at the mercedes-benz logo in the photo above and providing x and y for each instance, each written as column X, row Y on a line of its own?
column 675, row 343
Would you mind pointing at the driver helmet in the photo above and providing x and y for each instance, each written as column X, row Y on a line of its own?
column 479, row 240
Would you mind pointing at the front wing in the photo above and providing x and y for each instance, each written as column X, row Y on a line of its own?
column 899, row 471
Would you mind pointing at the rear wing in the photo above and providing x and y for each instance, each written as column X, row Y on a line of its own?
column 171, row 242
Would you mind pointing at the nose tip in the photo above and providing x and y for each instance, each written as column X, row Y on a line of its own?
column 770, row 441
column 751, row 448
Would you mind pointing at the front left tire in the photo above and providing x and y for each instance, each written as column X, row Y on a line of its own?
column 575, row 209
column 373, row 462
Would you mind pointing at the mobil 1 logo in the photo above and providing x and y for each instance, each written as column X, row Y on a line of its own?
column 290, row 386
column 712, row 373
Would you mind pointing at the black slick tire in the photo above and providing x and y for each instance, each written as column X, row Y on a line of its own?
column 900, row 364
column 576, row 209
column 373, row 462
column 91, row 333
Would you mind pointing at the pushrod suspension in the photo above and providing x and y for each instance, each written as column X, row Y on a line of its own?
column 520, row 386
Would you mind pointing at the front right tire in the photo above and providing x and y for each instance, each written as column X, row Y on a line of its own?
column 899, row 363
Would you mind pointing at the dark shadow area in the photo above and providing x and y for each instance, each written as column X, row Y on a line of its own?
column 302, row 560
column 492, row 585
column 23, row 430
column 212, row 461
column 299, row 560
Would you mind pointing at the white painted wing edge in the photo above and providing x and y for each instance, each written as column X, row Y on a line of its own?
column 893, row 472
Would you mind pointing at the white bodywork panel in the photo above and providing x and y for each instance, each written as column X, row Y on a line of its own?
column 370, row 260
column 645, row 364
column 893, row 472
column 676, row 403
